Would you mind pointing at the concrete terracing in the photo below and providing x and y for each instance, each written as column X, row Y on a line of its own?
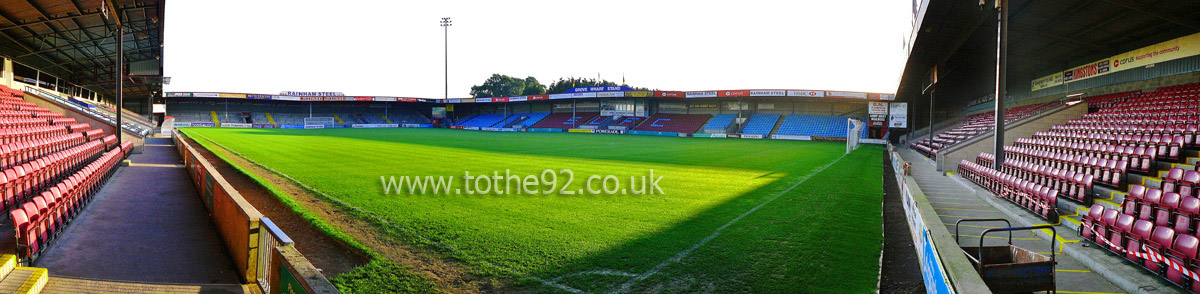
column 1079, row 270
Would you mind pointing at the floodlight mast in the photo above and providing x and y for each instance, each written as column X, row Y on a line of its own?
column 445, row 23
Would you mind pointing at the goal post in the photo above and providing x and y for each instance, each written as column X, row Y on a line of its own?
column 854, row 130
column 324, row 122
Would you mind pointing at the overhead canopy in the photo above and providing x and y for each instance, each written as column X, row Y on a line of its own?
column 73, row 40
column 959, row 37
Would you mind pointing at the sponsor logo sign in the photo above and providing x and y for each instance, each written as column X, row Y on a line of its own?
column 233, row 95
column 705, row 94
column 182, row 125
column 287, row 98
column 752, row 136
column 609, row 131
column 887, row 97
column 263, row 126
column 872, row 141
column 310, row 98
column 730, row 93
column 877, row 108
column 364, row 98
column 299, row 93
column 669, row 94
column 206, row 95
column 580, row 130
column 291, row 126
column 791, row 137
column 453, row 100
column 844, row 94
column 638, row 94
column 314, row 126
column 467, row 100
column 610, row 94
column 518, row 98
column 178, row 94
column 235, row 125
column 471, row 128
column 898, row 117
column 583, row 95
column 768, row 93
column 539, row 97
column 805, row 93
column 490, row 129
column 722, row 136
column 560, row 96
column 204, row 124
column 500, row 99
column 368, row 126
column 258, row 96
column 481, row 100
column 385, row 99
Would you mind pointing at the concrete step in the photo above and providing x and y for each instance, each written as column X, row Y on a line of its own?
column 24, row 280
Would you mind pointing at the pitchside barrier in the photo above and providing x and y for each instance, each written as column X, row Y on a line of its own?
column 262, row 254
column 944, row 266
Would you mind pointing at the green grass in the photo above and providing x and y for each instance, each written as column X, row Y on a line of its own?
column 828, row 226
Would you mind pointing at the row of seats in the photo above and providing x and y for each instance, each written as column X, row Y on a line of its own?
column 816, row 126
column 1039, row 199
column 1182, row 181
column 1141, row 158
column 1166, row 146
column 674, row 122
column 974, row 125
column 1142, row 242
column 564, row 120
column 1107, row 172
column 41, row 219
column 760, row 123
column 720, row 122
column 22, row 181
column 1163, row 208
column 22, row 151
column 1076, row 186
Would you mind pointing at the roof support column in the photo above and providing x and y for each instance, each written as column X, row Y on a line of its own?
column 120, row 75
column 1001, row 79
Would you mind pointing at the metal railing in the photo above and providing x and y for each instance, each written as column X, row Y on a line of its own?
column 267, row 243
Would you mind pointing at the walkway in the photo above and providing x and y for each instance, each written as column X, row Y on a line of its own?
column 954, row 201
column 145, row 225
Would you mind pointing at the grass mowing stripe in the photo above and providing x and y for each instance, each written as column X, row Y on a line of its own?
column 682, row 254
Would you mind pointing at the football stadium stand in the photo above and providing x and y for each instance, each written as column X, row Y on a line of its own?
column 815, row 125
column 625, row 123
column 761, row 123
column 52, row 167
column 976, row 124
column 1156, row 214
column 483, row 120
column 290, row 114
column 677, row 123
column 720, row 123
column 564, row 120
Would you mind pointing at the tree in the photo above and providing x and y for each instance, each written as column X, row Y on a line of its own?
column 533, row 87
column 499, row 85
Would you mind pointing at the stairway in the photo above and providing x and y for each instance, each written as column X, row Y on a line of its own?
column 15, row 279
column 270, row 119
column 214, row 116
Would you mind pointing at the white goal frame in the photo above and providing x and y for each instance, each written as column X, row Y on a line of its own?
column 320, row 121
column 854, row 130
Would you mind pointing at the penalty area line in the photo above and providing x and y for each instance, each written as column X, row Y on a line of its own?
column 679, row 256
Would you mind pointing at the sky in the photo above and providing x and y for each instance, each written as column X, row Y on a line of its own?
column 395, row 48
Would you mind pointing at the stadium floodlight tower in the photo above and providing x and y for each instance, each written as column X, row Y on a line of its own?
column 446, row 28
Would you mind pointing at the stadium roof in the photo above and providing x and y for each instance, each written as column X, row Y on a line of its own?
column 72, row 39
column 1044, row 37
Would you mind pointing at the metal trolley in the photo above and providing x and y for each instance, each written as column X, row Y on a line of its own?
column 1008, row 268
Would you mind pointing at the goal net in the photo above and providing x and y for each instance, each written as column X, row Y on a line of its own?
column 854, row 130
column 320, row 121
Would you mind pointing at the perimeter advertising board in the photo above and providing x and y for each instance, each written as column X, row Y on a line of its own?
column 878, row 113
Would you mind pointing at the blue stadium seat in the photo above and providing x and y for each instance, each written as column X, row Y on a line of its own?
column 720, row 121
column 761, row 123
column 815, row 125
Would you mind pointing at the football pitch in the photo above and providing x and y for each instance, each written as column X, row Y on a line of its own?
column 729, row 215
